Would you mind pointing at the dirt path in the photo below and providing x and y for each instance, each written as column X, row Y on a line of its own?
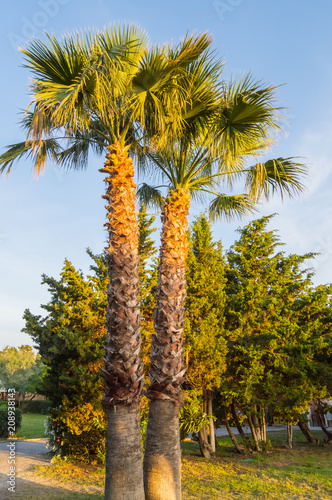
column 22, row 455
column 29, row 486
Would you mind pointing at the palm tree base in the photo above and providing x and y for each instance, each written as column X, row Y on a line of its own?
column 162, row 459
column 124, row 474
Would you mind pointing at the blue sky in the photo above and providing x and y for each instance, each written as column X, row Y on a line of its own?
column 60, row 214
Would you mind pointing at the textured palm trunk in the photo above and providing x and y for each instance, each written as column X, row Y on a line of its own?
column 123, row 367
column 162, row 467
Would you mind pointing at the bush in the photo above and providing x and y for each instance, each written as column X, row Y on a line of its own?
column 4, row 415
column 36, row 406
column 77, row 432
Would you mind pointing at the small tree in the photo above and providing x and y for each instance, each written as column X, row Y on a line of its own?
column 205, row 347
column 70, row 341
column 263, row 288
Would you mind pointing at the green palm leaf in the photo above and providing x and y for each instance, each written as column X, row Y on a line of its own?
column 150, row 196
column 282, row 175
column 231, row 206
column 38, row 153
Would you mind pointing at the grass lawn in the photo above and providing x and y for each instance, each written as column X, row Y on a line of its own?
column 32, row 426
column 304, row 473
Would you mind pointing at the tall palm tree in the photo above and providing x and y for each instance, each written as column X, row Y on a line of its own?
column 195, row 164
column 105, row 91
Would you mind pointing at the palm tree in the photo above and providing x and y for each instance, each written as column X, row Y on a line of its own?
column 106, row 91
column 193, row 165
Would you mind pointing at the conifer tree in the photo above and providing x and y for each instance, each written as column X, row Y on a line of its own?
column 263, row 287
column 205, row 346
column 148, row 273
column 70, row 341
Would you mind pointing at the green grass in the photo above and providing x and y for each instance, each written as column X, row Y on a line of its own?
column 32, row 426
column 303, row 473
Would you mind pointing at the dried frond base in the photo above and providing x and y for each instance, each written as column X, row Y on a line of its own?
column 167, row 367
column 123, row 370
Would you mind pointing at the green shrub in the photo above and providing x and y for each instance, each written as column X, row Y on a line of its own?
column 35, row 406
column 77, row 432
column 5, row 413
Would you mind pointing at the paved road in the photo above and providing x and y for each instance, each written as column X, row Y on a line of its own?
column 222, row 431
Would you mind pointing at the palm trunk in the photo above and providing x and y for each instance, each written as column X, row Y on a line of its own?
column 123, row 450
column 167, row 370
column 123, row 368
column 162, row 458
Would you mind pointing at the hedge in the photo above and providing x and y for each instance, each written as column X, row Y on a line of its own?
column 36, row 406
column 5, row 415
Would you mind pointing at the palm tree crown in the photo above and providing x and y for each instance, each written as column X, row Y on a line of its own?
column 107, row 91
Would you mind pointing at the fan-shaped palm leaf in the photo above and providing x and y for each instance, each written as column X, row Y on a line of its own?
column 230, row 207
column 282, row 175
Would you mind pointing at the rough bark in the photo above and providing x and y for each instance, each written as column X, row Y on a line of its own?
column 123, row 367
column 162, row 459
column 238, row 448
column 167, row 367
column 244, row 437
column 307, row 434
column 203, row 441
column 258, row 419
column 254, row 433
column 123, row 450
column 290, row 436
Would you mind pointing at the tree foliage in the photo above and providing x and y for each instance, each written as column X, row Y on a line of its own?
column 21, row 369
column 70, row 341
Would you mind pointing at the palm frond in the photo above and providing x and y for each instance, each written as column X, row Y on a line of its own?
column 231, row 207
column 282, row 175
column 150, row 196
column 46, row 149
column 248, row 119
column 189, row 49
column 69, row 73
